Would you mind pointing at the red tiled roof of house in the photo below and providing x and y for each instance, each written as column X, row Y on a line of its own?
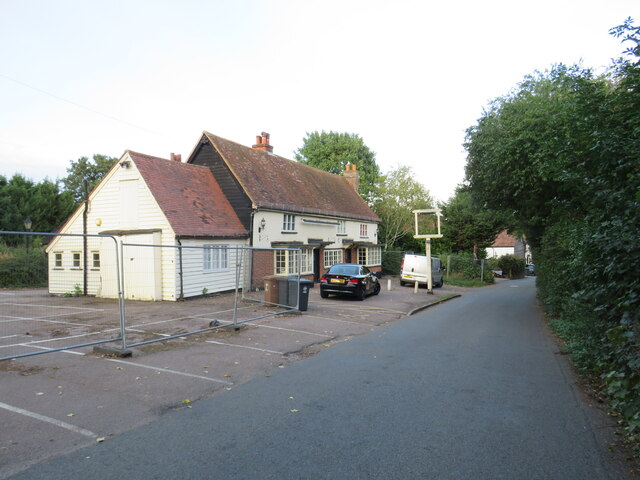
column 190, row 198
column 504, row 240
column 275, row 182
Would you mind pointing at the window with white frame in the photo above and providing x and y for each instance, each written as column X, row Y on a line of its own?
column 363, row 229
column 286, row 262
column 362, row 256
column 331, row 257
column 306, row 260
column 76, row 259
column 282, row 261
column 374, row 256
column 370, row 256
column 57, row 259
column 95, row 259
column 215, row 258
column 288, row 222
column 342, row 227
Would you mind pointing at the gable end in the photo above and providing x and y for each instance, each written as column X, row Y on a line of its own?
column 207, row 156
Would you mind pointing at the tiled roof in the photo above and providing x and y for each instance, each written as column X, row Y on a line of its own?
column 504, row 240
column 190, row 198
column 275, row 182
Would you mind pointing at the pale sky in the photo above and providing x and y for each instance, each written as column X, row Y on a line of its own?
column 409, row 77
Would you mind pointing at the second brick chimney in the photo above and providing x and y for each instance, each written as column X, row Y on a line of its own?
column 262, row 143
column 352, row 175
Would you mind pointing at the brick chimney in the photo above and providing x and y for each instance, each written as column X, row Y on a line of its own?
column 176, row 157
column 262, row 143
column 352, row 175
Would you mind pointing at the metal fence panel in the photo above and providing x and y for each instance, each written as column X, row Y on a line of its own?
column 226, row 285
column 465, row 267
column 99, row 289
column 34, row 321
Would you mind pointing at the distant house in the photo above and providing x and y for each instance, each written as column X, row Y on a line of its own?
column 226, row 196
column 145, row 201
column 283, row 203
column 506, row 244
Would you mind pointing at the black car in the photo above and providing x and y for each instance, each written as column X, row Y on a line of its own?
column 350, row 279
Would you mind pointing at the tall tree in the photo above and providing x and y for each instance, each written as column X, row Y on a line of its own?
column 397, row 195
column 84, row 169
column 332, row 151
column 44, row 203
column 468, row 226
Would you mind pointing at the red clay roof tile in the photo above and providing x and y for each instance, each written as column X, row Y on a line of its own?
column 503, row 239
column 190, row 198
column 275, row 182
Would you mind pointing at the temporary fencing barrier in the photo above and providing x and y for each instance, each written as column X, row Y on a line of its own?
column 99, row 288
column 32, row 321
column 234, row 284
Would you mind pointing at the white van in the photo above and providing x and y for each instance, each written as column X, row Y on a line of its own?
column 414, row 269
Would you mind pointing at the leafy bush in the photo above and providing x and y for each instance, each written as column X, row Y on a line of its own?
column 511, row 266
column 391, row 262
column 464, row 267
column 19, row 268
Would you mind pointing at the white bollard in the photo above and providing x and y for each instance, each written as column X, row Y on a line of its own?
column 389, row 284
column 415, row 287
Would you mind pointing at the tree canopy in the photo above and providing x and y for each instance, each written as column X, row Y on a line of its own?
column 332, row 151
column 44, row 203
column 84, row 169
column 47, row 203
column 398, row 193
column 468, row 226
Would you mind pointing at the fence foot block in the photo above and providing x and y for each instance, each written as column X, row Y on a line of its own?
column 112, row 351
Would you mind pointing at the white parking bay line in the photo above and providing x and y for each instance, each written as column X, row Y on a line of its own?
column 88, row 309
column 46, row 348
column 9, row 336
column 159, row 369
column 288, row 329
column 53, row 421
column 364, row 324
column 244, row 346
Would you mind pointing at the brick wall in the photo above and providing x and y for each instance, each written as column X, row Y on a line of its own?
column 262, row 264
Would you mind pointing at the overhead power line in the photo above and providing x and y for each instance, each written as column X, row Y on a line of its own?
column 78, row 105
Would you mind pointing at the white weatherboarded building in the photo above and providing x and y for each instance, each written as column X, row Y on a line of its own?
column 152, row 205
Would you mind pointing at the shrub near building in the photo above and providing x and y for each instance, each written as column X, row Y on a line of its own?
column 20, row 269
column 511, row 266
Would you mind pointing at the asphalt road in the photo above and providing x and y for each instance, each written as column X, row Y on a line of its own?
column 471, row 389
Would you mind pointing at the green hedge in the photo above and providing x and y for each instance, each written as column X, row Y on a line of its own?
column 392, row 262
column 20, row 269
column 511, row 266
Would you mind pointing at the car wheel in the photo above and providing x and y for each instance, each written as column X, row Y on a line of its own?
column 324, row 294
column 402, row 283
column 360, row 294
column 376, row 290
column 438, row 285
